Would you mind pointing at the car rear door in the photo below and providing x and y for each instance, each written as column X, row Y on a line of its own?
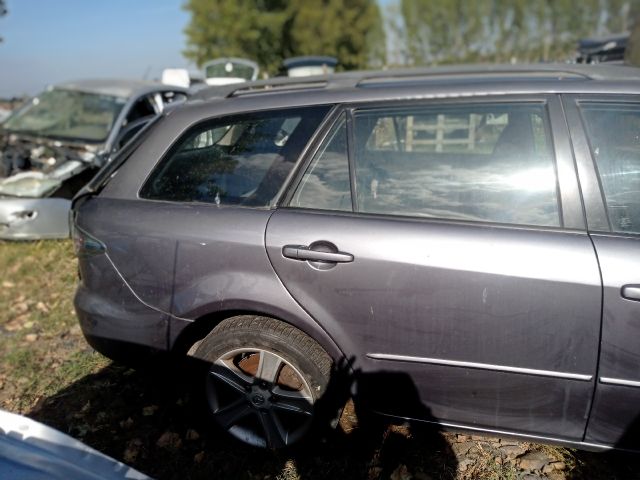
column 444, row 243
column 196, row 226
column 605, row 132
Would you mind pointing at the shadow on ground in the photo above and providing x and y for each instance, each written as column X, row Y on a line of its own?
column 155, row 422
column 611, row 465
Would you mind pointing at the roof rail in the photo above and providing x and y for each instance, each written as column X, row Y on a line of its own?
column 346, row 79
column 364, row 78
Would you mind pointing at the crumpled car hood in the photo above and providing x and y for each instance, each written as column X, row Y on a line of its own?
column 36, row 167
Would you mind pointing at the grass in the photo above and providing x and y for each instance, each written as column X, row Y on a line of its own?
column 41, row 345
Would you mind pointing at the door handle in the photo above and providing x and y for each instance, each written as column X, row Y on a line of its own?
column 631, row 292
column 302, row 252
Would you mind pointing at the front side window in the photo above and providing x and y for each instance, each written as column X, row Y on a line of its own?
column 240, row 160
column 477, row 162
column 614, row 136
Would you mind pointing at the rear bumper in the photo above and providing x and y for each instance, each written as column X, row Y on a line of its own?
column 34, row 218
column 113, row 320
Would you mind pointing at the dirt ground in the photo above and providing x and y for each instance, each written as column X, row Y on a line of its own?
column 153, row 419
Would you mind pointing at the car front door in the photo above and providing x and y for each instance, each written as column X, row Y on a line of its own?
column 445, row 243
column 608, row 154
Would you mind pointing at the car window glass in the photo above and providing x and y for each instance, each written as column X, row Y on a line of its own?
column 241, row 160
column 326, row 185
column 491, row 163
column 614, row 136
column 140, row 109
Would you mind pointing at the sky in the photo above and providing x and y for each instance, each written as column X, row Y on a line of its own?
column 51, row 41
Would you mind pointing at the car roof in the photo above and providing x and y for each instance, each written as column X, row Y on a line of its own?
column 539, row 77
column 410, row 84
column 116, row 87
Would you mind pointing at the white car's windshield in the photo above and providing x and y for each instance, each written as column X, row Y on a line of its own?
column 68, row 114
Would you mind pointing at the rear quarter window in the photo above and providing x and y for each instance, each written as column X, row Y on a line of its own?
column 238, row 160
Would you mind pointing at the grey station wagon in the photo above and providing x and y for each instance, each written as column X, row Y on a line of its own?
column 463, row 243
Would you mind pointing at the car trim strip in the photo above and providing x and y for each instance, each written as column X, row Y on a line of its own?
column 482, row 366
column 461, row 427
column 619, row 381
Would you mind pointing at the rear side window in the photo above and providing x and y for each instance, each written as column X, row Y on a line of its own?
column 614, row 136
column 477, row 162
column 239, row 160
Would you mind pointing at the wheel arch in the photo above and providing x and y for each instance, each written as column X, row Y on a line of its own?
column 185, row 334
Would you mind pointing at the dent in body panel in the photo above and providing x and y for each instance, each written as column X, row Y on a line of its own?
column 222, row 265
column 139, row 242
column 108, row 309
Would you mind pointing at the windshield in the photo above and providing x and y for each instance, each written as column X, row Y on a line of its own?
column 68, row 114
column 230, row 70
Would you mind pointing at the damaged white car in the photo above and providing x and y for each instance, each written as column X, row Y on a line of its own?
column 55, row 143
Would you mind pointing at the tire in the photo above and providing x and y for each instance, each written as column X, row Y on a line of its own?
column 263, row 380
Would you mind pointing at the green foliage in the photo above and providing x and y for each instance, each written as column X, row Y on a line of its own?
column 632, row 53
column 268, row 31
column 448, row 31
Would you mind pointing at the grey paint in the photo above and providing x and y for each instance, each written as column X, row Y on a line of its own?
column 487, row 366
column 34, row 218
column 463, row 293
column 498, row 327
column 620, row 349
column 107, row 308
column 31, row 450
column 615, row 414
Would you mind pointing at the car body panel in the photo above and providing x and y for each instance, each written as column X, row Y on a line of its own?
column 150, row 272
column 109, row 309
column 34, row 451
column 615, row 415
column 487, row 299
column 34, row 218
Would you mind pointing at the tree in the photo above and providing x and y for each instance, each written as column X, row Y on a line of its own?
column 632, row 52
column 445, row 31
column 241, row 28
column 350, row 30
column 268, row 31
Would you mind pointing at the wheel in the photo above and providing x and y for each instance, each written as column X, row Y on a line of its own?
column 263, row 380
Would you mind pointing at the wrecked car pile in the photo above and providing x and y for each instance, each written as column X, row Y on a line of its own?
column 55, row 143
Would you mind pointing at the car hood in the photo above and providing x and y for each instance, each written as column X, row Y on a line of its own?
column 29, row 449
column 35, row 166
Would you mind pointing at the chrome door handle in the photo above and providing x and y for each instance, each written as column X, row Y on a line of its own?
column 631, row 292
column 302, row 252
